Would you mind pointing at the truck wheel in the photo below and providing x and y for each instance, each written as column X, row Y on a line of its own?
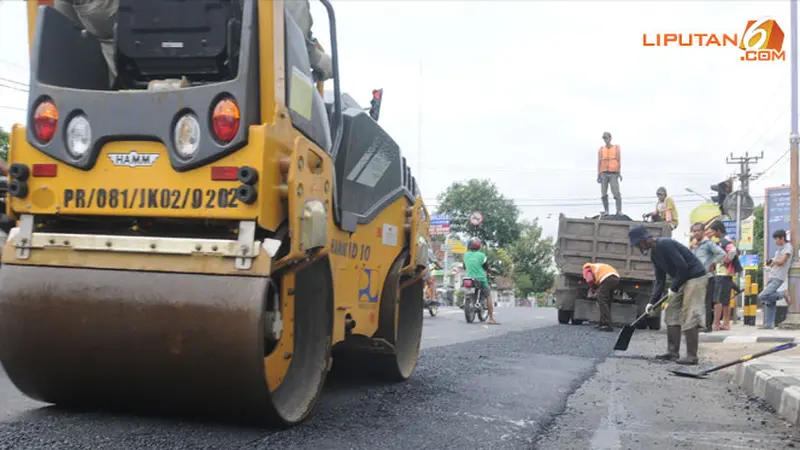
column 654, row 323
column 577, row 321
column 564, row 316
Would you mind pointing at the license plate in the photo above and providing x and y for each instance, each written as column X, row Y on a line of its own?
column 150, row 198
column 469, row 290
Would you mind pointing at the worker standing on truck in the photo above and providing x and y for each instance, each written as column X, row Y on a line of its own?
column 609, row 166
column 686, row 309
column 710, row 255
column 476, row 263
column 665, row 209
column 602, row 279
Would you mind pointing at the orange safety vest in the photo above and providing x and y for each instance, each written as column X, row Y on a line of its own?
column 601, row 271
column 609, row 158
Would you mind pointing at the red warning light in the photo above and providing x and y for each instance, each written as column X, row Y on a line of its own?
column 376, row 94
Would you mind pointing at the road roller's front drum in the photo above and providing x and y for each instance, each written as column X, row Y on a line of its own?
column 161, row 341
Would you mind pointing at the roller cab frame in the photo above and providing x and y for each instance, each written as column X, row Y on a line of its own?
column 209, row 231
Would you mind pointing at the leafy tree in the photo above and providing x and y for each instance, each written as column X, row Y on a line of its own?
column 500, row 261
column 499, row 228
column 4, row 144
column 524, row 285
column 533, row 256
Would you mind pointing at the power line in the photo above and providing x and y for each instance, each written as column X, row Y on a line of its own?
column 8, row 80
column 771, row 166
column 16, row 88
column 13, row 108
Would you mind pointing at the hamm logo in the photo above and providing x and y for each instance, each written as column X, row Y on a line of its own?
column 133, row 159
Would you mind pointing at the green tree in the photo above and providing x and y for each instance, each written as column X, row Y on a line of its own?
column 500, row 261
column 524, row 285
column 533, row 256
column 500, row 214
column 4, row 144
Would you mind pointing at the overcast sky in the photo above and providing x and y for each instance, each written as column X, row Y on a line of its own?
column 520, row 92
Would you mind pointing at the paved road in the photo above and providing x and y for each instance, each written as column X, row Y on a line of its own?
column 531, row 385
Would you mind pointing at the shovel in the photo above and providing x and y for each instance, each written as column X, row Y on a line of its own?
column 703, row 373
column 626, row 334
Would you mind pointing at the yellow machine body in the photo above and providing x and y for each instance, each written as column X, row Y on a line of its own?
column 110, row 313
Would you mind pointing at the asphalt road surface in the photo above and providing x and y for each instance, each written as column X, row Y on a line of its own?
column 525, row 384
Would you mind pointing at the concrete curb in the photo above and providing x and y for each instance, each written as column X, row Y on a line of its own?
column 779, row 390
column 722, row 339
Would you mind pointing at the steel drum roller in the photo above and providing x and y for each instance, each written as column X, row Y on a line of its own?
column 105, row 337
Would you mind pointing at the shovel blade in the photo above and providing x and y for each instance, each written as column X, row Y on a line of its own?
column 624, row 338
column 681, row 373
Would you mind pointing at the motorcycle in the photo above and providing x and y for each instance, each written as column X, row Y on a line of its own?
column 432, row 306
column 472, row 304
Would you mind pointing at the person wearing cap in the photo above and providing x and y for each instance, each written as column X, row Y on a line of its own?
column 665, row 209
column 602, row 280
column 686, row 309
column 609, row 166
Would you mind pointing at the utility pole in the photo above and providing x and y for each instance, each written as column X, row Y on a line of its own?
column 744, row 192
column 793, row 315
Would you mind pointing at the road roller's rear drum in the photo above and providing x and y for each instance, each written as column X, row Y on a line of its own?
column 157, row 341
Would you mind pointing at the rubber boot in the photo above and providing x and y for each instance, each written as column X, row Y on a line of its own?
column 605, row 205
column 692, row 341
column 618, row 200
column 673, row 344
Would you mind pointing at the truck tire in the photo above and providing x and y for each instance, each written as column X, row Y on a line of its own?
column 564, row 316
column 654, row 323
column 577, row 321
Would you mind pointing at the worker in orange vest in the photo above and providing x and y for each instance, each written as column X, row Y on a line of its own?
column 602, row 279
column 609, row 163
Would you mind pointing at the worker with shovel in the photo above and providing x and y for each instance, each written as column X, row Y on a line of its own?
column 686, row 309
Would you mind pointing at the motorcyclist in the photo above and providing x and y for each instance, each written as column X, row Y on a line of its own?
column 477, row 264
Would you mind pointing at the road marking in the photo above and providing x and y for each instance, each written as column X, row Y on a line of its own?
column 606, row 436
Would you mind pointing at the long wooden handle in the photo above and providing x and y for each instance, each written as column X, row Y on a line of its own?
column 745, row 358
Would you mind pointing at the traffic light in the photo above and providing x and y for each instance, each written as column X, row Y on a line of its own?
column 375, row 104
column 723, row 189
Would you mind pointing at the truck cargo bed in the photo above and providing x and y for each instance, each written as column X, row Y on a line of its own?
column 605, row 241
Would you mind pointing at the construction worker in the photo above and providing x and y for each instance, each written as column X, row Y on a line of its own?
column 609, row 166
column 724, row 284
column 665, row 209
column 686, row 309
column 320, row 61
column 98, row 17
column 602, row 280
column 709, row 254
column 476, row 263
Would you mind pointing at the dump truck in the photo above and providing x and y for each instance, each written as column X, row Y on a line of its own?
column 214, row 235
column 604, row 240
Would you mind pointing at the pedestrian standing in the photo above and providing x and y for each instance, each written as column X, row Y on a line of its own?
column 778, row 273
column 709, row 254
column 724, row 274
column 602, row 280
column 686, row 308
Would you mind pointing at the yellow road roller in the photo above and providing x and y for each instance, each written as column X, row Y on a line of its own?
column 210, row 232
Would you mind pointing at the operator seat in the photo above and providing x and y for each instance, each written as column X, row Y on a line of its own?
column 159, row 39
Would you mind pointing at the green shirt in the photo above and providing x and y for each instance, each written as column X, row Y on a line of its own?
column 473, row 263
